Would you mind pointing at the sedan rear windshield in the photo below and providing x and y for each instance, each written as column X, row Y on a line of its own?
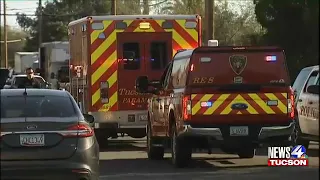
column 36, row 106
column 21, row 80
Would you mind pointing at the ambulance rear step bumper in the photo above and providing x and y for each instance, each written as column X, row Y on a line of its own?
column 133, row 119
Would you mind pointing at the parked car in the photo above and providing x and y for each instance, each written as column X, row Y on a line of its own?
column 44, row 134
column 306, row 87
column 18, row 80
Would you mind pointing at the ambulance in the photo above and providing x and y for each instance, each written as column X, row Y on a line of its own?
column 108, row 53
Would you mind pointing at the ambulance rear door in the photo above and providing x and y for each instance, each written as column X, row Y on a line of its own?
column 143, row 53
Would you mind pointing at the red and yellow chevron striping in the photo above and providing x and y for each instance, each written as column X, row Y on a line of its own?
column 256, row 102
column 104, row 63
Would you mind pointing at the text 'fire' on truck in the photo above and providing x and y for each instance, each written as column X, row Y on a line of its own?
column 109, row 52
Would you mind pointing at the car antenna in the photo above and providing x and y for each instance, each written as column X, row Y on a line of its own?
column 25, row 101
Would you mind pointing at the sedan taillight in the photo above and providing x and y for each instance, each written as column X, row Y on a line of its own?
column 79, row 130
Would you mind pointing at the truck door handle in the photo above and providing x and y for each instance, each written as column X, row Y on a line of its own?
column 300, row 100
column 310, row 102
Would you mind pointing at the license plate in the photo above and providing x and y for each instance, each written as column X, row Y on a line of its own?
column 239, row 131
column 32, row 139
column 143, row 117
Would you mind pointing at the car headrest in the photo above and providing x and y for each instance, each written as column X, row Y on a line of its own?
column 4, row 74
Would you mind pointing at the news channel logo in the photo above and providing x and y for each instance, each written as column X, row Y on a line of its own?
column 299, row 152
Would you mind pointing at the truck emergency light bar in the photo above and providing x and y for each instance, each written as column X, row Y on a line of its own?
column 271, row 58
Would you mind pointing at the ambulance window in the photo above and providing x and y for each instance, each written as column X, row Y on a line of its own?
column 159, row 56
column 311, row 80
column 131, row 56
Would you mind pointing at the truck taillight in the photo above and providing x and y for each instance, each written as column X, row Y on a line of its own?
column 291, row 105
column 191, row 67
column 186, row 107
column 104, row 92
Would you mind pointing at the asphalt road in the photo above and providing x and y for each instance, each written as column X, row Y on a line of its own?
column 125, row 158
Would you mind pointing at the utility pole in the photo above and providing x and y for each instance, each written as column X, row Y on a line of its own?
column 209, row 17
column 40, row 23
column 113, row 7
column 5, row 34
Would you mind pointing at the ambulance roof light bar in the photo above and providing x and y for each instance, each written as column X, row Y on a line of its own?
column 213, row 43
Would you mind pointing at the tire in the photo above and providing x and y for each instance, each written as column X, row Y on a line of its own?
column 154, row 153
column 181, row 154
column 102, row 139
column 247, row 153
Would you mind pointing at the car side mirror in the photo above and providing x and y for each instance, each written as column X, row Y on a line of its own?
column 142, row 84
column 8, row 83
column 89, row 118
column 313, row 89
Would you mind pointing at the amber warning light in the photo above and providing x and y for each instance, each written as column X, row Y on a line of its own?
column 144, row 25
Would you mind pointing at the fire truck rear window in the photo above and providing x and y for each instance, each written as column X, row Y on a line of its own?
column 159, row 55
column 131, row 56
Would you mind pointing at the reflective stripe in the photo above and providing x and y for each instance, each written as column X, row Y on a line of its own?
column 256, row 103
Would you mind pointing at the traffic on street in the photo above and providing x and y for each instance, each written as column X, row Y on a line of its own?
column 158, row 89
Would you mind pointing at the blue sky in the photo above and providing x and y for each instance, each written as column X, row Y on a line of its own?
column 21, row 6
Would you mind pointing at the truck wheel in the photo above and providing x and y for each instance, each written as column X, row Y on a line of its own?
column 154, row 152
column 181, row 153
column 303, row 142
column 246, row 153
column 102, row 139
